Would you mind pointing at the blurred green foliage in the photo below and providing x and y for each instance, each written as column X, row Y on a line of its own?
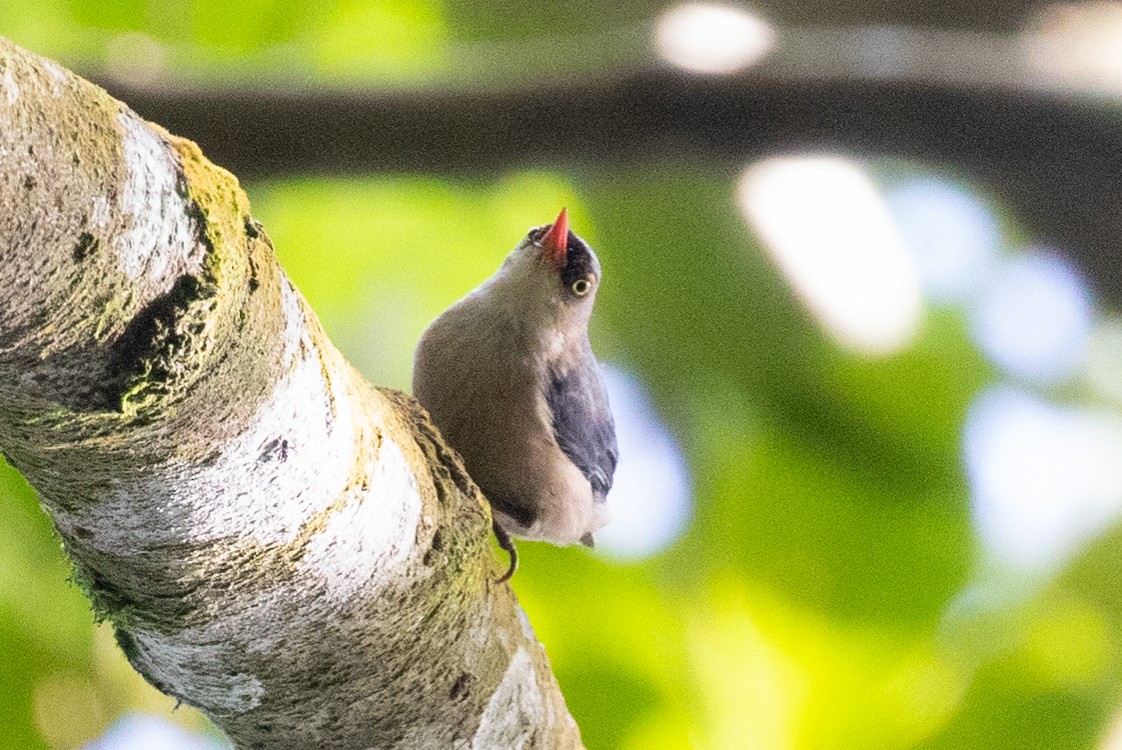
column 40, row 631
column 335, row 42
column 828, row 593
column 62, row 680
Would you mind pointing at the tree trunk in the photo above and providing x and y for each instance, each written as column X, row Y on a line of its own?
column 293, row 552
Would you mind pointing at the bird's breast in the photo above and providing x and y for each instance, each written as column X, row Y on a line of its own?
column 483, row 386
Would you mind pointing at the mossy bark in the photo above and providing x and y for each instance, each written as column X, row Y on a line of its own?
column 294, row 552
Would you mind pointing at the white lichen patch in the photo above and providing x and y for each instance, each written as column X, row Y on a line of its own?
column 8, row 85
column 527, row 628
column 58, row 79
column 373, row 533
column 100, row 213
column 161, row 239
column 292, row 462
column 515, row 710
column 295, row 323
column 195, row 665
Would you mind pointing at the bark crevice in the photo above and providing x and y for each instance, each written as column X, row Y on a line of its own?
column 149, row 354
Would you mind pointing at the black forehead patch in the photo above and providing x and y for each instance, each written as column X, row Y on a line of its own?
column 579, row 261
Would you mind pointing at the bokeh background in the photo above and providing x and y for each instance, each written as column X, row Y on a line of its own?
column 859, row 318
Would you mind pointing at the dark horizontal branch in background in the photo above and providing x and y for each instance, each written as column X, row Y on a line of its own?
column 1055, row 162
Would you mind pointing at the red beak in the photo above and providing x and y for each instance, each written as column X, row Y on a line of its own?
column 555, row 243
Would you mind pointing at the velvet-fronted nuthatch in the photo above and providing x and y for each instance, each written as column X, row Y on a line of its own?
column 509, row 378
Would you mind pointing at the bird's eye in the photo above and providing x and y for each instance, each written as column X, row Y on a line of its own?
column 535, row 234
column 581, row 287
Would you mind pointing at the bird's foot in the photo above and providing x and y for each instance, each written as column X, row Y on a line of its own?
column 507, row 543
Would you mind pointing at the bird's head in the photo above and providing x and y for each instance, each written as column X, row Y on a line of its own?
column 552, row 273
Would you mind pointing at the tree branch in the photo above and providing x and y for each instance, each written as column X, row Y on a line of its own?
column 293, row 552
column 1054, row 160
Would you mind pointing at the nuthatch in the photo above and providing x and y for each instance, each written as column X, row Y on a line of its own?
column 510, row 380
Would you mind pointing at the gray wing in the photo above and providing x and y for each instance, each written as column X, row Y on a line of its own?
column 583, row 425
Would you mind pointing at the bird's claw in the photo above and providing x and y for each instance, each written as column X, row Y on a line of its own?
column 507, row 543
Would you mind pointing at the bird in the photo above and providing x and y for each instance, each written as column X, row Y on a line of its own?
column 508, row 377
